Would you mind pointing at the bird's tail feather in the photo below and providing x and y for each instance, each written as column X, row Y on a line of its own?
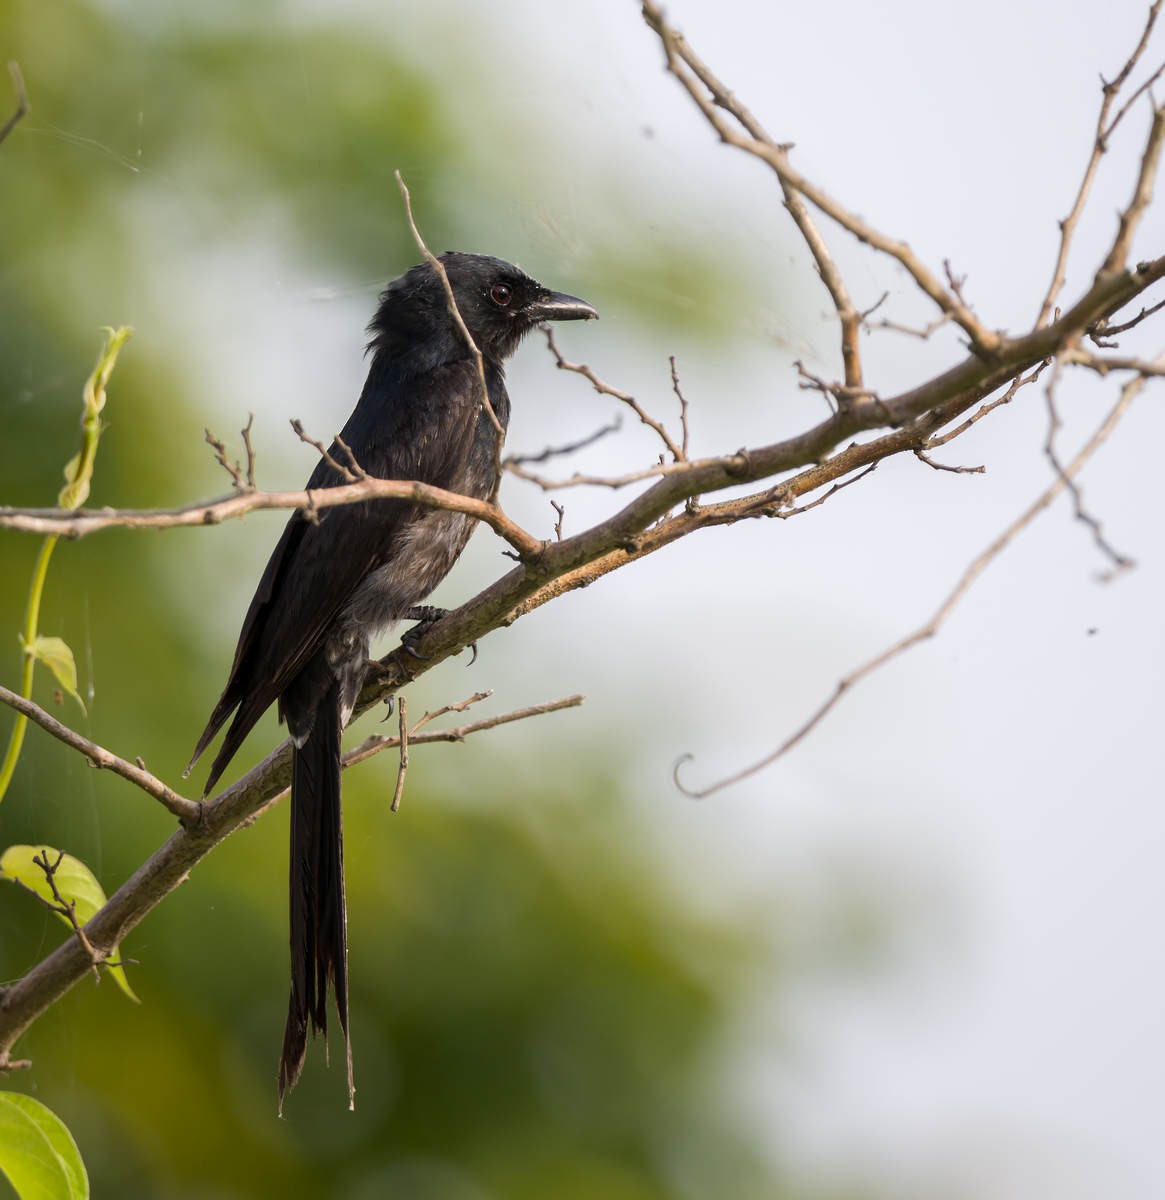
column 318, row 917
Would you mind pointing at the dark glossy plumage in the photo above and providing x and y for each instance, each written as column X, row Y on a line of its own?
column 331, row 587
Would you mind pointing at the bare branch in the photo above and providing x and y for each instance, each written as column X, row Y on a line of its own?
column 66, row 908
column 713, row 98
column 1122, row 76
column 922, row 456
column 931, row 627
column 675, row 387
column 243, row 480
column 923, row 333
column 1142, row 194
column 458, row 707
column 1119, row 561
column 785, row 513
column 80, row 522
column 1102, row 331
column 249, row 450
column 1103, row 364
column 518, row 460
column 352, row 473
column 403, row 741
column 1104, row 131
column 1019, row 382
column 605, row 389
column 187, row 811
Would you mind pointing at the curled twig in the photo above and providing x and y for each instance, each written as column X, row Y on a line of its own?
column 931, row 627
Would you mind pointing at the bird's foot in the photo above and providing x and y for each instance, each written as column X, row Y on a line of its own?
column 425, row 615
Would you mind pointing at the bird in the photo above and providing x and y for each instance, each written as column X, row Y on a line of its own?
column 340, row 577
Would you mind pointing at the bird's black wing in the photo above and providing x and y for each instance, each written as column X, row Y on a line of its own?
column 317, row 565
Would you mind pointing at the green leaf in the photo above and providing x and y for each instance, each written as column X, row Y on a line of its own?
column 75, row 882
column 37, row 1152
column 55, row 653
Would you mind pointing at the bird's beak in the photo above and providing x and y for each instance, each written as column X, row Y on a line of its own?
column 557, row 306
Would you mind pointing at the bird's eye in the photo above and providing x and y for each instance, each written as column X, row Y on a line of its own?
column 500, row 294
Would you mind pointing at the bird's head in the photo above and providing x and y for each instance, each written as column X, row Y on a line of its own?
column 498, row 302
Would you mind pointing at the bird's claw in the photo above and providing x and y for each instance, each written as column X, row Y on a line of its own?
column 426, row 615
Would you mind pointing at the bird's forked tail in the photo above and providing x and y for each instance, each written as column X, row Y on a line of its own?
column 319, row 943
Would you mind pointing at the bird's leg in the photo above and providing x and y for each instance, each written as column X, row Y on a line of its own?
column 425, row 615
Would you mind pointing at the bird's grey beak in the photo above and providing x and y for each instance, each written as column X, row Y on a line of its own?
column 557, row 306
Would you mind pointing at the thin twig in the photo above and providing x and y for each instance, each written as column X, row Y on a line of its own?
column 606, row 389
column 349, row 474
column 931, row 627
column 581, row 479
column 1103, row 364
column 675, row 386
column 242, row 479
column 713, row 98
column 66, row 908
column 518, row 460
column 403, row 740
column 922, row 456
column 220, row 455
column 445, row 709
column 785, row 513
column 187, row 811
column 249, row 450
column 1115, row 86
column 378, row 743
column 1102, row 331
column 1120, row 562
column 923, row 333
column 1019, row 382
column 463, row 329
column 21, row 100
column 1104, row 131
column 1130, row 218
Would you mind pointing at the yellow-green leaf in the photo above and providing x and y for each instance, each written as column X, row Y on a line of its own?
column 55, row 653
column 37, row 1152
column 75, row 882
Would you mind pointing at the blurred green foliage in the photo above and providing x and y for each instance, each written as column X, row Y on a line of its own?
column 534, row 1012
